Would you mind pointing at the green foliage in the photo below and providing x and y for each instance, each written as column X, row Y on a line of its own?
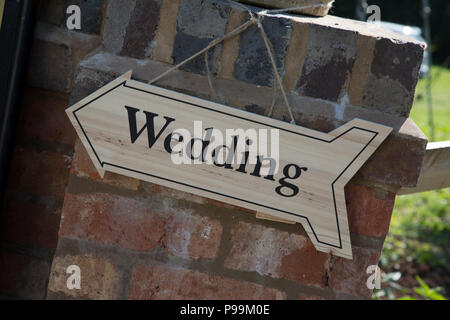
column 441, row 104
column 409, row 12
column 420, row 229
column 425, row 292
column 420, row 226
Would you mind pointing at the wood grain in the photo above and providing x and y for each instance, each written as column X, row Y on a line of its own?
column 435, row 172
column 102, row 123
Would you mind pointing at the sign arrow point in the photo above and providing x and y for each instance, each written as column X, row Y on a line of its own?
column 127, row 75
column 111, row 123
column 74, row 110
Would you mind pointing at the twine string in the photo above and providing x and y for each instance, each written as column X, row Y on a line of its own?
column 254, row 20
column 208, row 73
column 213, row 43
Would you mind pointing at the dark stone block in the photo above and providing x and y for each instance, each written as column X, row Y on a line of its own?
column 141, row 29
column 186, row 45
column 253, row 108
column 199, row 22
column 253, row 63
column 206, row 19
column 91, row 14
column 396, row 61
column 325, row 82
column 329, row 61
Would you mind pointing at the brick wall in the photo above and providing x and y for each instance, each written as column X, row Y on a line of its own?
column 138, row 240
column 42, row 155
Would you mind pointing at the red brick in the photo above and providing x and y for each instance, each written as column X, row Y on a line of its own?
column 111, row 219
column 399, row 159
column 349, row 276
column 23, row 276
column 177, row 194
column 50, row 65
column 305, row 265
column 43, row 117
column 172, row 193
column 56, row 52
column 82, row 166
column 222, row 204
column 52, row 11
column 161, row 282
column 191, row 236
column 99, row 278
column 30, row 224
column 39, row 172
column 311, row 298
column 276, row 253
column 114, row 219
column 369, row 211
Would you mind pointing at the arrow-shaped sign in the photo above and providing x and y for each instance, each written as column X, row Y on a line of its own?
column 136, row 129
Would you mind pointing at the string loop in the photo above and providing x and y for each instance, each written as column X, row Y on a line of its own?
column 253, row 20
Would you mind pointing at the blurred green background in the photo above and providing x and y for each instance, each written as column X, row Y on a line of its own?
column 418, row 243
column 416, row 255
column 408, row 12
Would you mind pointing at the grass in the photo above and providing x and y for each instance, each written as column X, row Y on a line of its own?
column 420, row 230
column 2, row 6
column 418, row 243
column 441, row 105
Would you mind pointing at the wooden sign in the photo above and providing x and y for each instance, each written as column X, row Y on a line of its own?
column 135, row 129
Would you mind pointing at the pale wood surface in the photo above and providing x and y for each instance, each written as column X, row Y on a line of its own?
column 435, row 172
column 313, row 9
column 101, row 122
column 269, row 217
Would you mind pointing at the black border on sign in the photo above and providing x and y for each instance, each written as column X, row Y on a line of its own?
column 102, row 163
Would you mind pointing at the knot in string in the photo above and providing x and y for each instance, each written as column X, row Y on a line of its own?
column 257, row 21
